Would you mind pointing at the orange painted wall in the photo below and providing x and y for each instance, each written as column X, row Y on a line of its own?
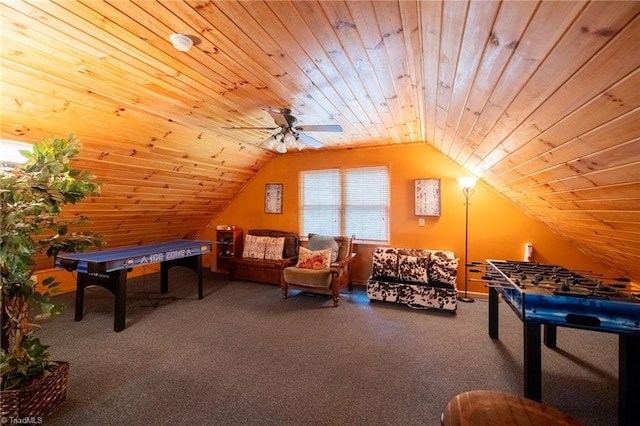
column 497, row 228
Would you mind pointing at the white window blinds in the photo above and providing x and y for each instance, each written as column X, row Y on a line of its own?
column 346, row 202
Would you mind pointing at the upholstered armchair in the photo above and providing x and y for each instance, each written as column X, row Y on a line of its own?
column 323, row 267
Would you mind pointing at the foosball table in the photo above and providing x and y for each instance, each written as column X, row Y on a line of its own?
column 552, row 296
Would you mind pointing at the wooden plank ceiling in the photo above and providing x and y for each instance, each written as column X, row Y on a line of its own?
column 541, row 98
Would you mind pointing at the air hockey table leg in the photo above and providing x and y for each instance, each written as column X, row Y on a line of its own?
column 194, row 263
column 116, row 283
column 80, row 284
column 120, row 295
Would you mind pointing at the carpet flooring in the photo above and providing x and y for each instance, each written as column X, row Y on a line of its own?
column 245, row 356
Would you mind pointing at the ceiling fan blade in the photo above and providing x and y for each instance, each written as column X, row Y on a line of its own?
column 308, row 140
column 320, row 128
column 251, row 128
column 279, row 117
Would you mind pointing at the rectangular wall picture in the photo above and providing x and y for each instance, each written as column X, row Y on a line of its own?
column 273, row 198
column 427, row 197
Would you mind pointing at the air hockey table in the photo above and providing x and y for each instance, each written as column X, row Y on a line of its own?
column 108, row 269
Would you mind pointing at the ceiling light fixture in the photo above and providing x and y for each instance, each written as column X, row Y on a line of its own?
column 283, row 141
column 181, row 42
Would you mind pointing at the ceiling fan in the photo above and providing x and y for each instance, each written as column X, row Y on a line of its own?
column 289, row 133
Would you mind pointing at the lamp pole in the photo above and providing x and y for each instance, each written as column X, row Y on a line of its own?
column 467, row 189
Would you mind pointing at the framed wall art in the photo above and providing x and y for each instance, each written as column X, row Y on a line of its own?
column 427, row 197
column 273, row 198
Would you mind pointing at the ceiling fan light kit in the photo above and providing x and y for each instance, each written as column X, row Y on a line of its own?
column 283, row 142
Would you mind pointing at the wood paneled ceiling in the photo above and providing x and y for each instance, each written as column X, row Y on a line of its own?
column 541, row 98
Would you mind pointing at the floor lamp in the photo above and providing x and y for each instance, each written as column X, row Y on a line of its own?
column 467, row 184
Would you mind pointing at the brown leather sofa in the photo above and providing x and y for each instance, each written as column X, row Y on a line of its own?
column 266, row 270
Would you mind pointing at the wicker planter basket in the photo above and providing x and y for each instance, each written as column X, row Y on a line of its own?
column 39, row 399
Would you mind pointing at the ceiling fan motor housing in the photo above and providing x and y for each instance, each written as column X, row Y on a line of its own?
column 286, row 113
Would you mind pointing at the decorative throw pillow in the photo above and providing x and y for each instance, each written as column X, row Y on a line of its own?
column 385, row 263
column 413, row 269
column 308, row 259
column 254, row 246
column 443, row 269
column 321, row 242
column 274, row 248
column 448, row 254
column 414, row 252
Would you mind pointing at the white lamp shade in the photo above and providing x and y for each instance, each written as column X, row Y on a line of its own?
column 181, row 42
column 282, row 148
column 467, row 182
column 289, row 139
column 271, row 143
column 299, row 144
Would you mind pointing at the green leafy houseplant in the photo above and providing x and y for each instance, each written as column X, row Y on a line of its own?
column 32, row 198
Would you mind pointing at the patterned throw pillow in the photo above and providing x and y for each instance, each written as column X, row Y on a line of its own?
column 308, row 259
column 321, row 242
column 442, row 268
column 254, row 246
column 385, row 263
column 274, row 248
column 443, row 254
column 413, row 269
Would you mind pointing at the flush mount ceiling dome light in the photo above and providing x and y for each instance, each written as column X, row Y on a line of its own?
column 181, row 42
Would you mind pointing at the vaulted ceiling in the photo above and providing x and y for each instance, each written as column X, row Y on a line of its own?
column 540, row 98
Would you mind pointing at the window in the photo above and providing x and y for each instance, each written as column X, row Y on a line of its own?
column 346, row 202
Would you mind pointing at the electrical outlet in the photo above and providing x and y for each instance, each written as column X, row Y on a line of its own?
column 421, row 221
